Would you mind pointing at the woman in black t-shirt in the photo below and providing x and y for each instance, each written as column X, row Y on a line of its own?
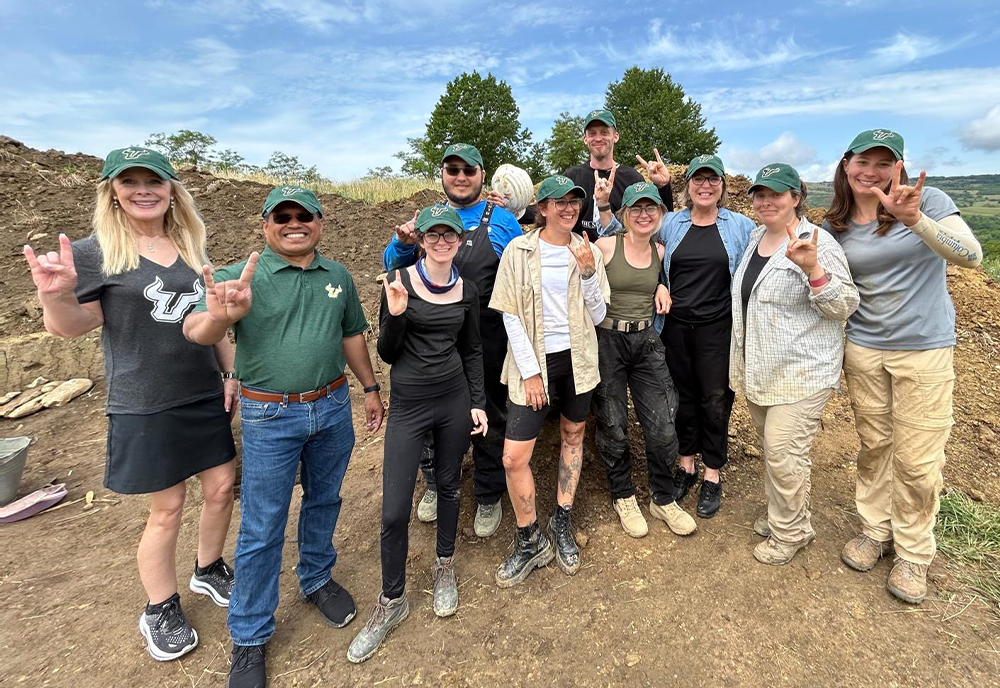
column 168, row 411
column 429, row 334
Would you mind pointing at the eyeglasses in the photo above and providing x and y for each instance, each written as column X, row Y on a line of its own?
column 450, row 237
column 562, row 203
column 285, row 218
column 637, row 211
column 700, row 179
column 455, row 170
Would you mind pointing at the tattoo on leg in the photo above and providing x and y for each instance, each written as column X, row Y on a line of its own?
column 570, row 464
column 528, row 504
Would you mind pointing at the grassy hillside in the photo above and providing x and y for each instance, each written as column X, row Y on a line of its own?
column 975, row 195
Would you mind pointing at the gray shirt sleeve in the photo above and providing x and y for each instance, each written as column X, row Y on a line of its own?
column 87, row 258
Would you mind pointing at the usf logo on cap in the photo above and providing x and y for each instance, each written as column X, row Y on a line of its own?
column 769, row 171
column 705, row 158
column 133, row 153
column 438, row 210
column 563, row 181
column 880, row 135
column 290, row 190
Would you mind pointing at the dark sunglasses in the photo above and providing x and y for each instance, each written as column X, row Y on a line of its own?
column 285, row 218
column 454, row 170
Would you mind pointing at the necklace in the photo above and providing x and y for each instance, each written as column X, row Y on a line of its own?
column 431, row 286
column 149, row 243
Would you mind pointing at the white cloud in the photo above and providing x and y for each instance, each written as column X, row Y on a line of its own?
column 906, row 48
column 983, row 133
column 787, row 148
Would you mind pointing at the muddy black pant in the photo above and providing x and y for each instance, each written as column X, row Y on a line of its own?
column 443, row 410
column 488, row 479
column 698, row 359
column 634, row 361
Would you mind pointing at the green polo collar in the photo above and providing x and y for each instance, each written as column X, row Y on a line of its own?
column 272, row 262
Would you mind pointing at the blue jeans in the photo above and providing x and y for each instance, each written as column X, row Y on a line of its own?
column 276, row 438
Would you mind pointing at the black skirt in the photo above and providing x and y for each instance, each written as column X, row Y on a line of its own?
column 149, row 453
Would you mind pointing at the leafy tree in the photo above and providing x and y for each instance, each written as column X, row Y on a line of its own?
column 230, row 160
column 288, row 169
column 652, row 111
column 475, row 110
column 565, row 147
column 381, row 172
column 184, row 147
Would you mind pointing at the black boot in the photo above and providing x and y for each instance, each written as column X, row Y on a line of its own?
column 710, row 499
column 567, row 553
column 531, row 550
column 682, row 482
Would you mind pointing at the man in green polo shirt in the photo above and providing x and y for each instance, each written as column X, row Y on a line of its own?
column 297, row 320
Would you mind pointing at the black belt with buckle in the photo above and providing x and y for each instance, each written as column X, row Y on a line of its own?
column 625, row 325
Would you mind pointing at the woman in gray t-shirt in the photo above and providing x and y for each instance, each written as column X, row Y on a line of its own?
column 898, row 239
column 136, row 277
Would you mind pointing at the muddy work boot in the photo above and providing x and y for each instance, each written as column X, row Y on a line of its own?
column 631, row 517
column 678, row 520
column 488, row 517
column 445, row 586
column 776, row 553
column 862, row 552
column 561, row 532
column 761, row 526
column 908, row 581
column 532, row 550
column 385, row 616
column 427, row 508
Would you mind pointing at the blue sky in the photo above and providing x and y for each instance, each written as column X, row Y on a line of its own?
column 342, row 84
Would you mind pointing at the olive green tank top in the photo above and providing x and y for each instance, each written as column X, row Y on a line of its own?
column 632, row 288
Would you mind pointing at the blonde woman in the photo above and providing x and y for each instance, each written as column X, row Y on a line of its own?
column 168, row 409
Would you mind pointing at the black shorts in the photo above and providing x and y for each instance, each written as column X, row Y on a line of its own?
column 149, row 453
column 524, row 423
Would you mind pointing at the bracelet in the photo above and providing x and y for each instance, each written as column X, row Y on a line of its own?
column 372, row 388
column 816, row 284
column 229, row 375
column 602, row 208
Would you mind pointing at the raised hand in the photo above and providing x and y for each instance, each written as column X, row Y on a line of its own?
column 603, row 187
column 229, row 301
column 802, row 252
column 54, row 274
column 479, row 422
column 584, row 257
column 902, row 201
column 662, row 299
column 405, row 233
column 656, row 170
column 496, row 198
column 396, row 297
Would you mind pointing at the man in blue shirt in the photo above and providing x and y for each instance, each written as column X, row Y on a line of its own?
column 490, row 229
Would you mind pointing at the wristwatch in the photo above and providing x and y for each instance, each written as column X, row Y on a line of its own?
column 372, row 388
column 229, row 375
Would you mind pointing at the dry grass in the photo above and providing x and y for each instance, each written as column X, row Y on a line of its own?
column 367, row 190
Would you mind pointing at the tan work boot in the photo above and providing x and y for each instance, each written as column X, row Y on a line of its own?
column 776, row 553
column 862, row 553
column 908, row 581
column 761, row 527
column 675, row 517
column 631, row 517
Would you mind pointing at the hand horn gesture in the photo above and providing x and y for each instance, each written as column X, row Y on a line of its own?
column 54, row 274
column 396, row 297
column 656, row 171
column 584, row 257
column 229, row 301
column 603, row 187
column 802, row 252
column 902, row 201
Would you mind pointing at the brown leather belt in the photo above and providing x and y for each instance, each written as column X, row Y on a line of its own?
column 255, row 395
column 625, row 325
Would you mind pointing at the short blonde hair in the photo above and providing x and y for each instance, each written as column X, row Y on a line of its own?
column 118, row 241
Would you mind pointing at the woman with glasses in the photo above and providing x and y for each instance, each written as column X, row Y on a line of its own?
column 429, row 334
column 702, row 246
column 631, row 357
column 551, row 288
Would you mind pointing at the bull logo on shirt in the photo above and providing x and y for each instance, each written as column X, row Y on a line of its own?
column 133, row 153
column 331, row 292
column 768, row 171
column 881, row 135
column 169, row 306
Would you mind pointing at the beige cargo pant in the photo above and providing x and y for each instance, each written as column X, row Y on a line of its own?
column 786, row 433
column 902, row 410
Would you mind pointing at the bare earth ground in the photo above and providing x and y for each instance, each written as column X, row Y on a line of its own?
column 658, row 611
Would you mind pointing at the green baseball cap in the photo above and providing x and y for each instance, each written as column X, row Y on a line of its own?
column 873, row 138
column 707, row 161
column 638, row 191
column 469, row 154
column 778, row 177
column 121, row 159
column 557, row 186
column 601, row 115
column 296, row 194
column 440, row 214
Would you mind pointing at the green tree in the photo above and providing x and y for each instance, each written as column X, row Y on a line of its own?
column 230, row 161
column 565, row 147
column 475, row 110
column 184, row 147
column 289, row 170
column 652, row 111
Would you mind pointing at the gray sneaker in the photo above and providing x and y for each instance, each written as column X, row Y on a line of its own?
column 427, row 509
column 488, row 517
column 445, row 586
column 167, row 631
column 386, row 615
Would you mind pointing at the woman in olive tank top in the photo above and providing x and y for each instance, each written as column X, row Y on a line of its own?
column 631, row 357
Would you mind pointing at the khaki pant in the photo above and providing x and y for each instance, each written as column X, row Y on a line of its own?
column 786, row 433
column 902, row 409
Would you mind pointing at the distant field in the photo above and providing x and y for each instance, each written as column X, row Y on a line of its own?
column 974, row 195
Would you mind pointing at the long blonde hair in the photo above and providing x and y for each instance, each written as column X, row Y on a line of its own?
column 118, row 241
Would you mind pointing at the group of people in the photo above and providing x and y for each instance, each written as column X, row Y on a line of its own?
column 489, row 329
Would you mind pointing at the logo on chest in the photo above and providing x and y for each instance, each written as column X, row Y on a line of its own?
column 333, row 293
column 169, row 306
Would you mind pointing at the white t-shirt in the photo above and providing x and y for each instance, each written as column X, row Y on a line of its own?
column 555, row 268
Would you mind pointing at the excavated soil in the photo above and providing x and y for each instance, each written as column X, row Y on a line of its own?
column 662, row 610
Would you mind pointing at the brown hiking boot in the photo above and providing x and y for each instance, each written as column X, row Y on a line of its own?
column 908, row 581
column 777, row 553
column 862, row 553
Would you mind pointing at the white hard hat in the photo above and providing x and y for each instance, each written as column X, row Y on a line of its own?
column 516, row 185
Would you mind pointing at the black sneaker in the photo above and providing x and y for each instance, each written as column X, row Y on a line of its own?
column 710, row 499
column 682, row 481
column 247, row 668
column 335, row 604
column 561, row 531
column 215, row 580
column 531, row 550
column 167, row 632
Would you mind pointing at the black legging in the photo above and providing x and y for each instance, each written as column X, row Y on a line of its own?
column 444, row 410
